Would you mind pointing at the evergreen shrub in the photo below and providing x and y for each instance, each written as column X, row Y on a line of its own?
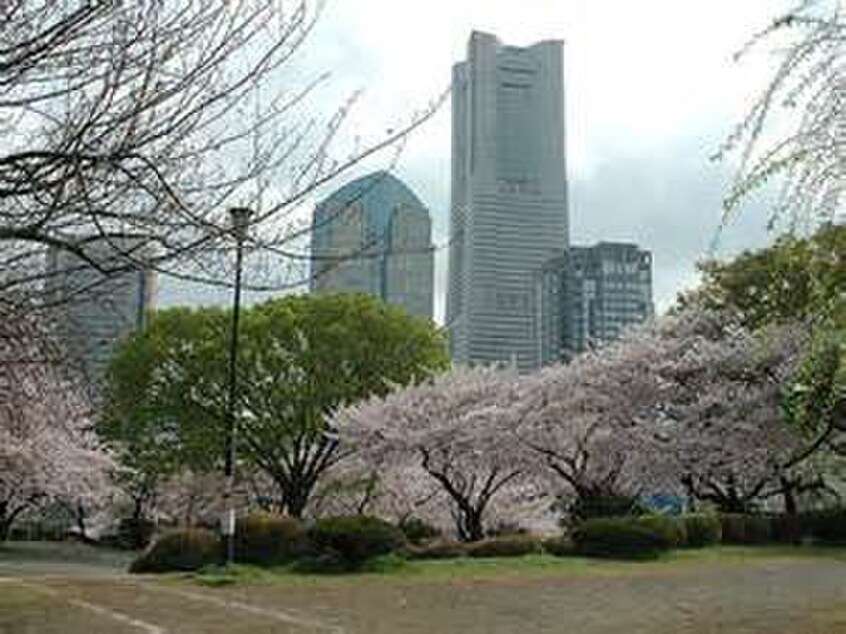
column 182, row 550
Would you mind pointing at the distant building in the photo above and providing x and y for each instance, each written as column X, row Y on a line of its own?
column 589, row 295
column 509, row 196
column 375, row 236
column 94, row 311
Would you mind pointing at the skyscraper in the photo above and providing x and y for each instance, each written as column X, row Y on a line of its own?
column 509, row 196
column 590, row 295
column 95, row 311
column 374, row 236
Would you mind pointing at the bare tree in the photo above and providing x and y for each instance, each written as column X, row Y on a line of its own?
column 807, row 95
column 140, row 123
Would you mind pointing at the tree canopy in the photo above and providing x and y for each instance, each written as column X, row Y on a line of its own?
column 797, row 278
column 300, row 357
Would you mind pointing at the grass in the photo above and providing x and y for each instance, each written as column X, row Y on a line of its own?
column 391, row 569
column 725, row 590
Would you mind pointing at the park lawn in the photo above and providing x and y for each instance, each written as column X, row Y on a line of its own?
column 101, row 606
column 25, row 610
column 724, row 590
column 391, row 570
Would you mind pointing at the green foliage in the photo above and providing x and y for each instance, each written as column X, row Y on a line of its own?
column 437, row 549
column 560, row 546
column 182, row 550
column 672, row 528
column 417, row 530
column 506, row 529
column 701, row 530
column 623, row 538
column 300, row 357
column 353, row 539
column 134, row 533
column 602, row 504
column 513, row 546
column 745, row 529
column 827, row 526
column 817, row 390
column 266, row 539
column 794, row 279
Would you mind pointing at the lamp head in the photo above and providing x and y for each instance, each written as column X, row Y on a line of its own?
column 240, row 218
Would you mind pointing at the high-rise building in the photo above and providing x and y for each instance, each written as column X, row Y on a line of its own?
column 589, row 295
column 375, row 236
column 94, row 311
column 509, row 196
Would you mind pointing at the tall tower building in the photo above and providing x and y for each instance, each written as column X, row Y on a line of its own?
column 95, row 311
column 590, row 295
column 509, row 196
column 375, row 236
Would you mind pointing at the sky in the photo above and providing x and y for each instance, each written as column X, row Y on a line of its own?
column 651, row 90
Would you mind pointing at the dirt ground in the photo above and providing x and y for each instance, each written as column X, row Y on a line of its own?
column 778, row 595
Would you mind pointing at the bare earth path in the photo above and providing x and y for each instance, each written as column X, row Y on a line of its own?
column 761, row 595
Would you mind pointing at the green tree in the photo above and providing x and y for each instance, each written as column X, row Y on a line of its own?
column 794, row 279
column 300, row 357
column 153, row 437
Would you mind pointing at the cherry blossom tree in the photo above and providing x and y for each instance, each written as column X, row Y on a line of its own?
column 691, row 404
column 455, row 431
column 730, row 435
column 47, row 449
column 590, row 425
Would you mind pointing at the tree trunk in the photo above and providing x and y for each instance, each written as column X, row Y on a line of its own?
column 789, row 493
column 6, row 519
column 295, row 497
column 471, row 528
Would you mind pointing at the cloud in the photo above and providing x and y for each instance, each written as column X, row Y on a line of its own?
column 651, row 91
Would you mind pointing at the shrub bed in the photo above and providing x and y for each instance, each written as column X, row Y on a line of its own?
column 701, row 530
column 561, row 546
column 746, row 529
column 183, row 550
column 266, row 539
column 437, row 549
column 672, row 528
column 624, row 537
column 354, row 539
column 134, row 533
column 418, row 531
column 828, row 526
column 515, row 546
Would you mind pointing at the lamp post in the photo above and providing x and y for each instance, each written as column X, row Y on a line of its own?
column 240, row 218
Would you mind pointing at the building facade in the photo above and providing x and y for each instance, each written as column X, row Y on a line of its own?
column 509, row 196
column 374, row 236
column 94, row 311
column 590, row 295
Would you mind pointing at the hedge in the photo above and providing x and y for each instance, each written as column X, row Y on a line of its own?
column 561, row 546
column 437, row 549
column 701, row 530
column 746, row 529
column 417, row 531
column 134, row 533
column 514, row 546
column 624, row 537
column 354, row 539
column 182, row 550
column 266, row 539
column 828, row 526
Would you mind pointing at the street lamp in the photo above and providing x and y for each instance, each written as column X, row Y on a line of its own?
column 240, row 219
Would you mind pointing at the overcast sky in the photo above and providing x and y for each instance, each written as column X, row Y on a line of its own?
column 651, row 89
